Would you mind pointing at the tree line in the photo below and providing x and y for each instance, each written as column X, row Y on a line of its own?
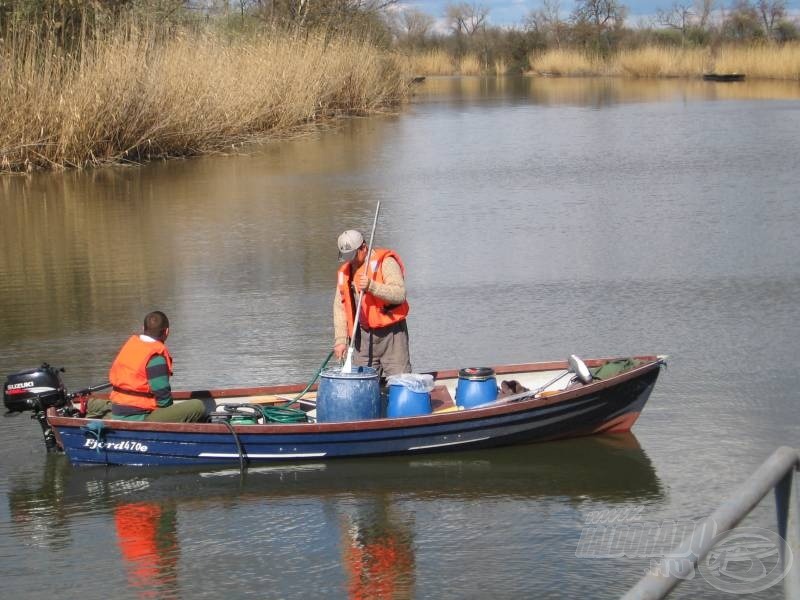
column 595, row 26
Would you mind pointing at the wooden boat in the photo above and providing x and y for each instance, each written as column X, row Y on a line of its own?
column 558, row 400
column 723, row 76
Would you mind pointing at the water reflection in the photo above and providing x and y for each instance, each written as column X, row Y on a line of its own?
column 595, row 92
column 355, row 526
column 605, row 468
column 377, row 550
column 148, row 542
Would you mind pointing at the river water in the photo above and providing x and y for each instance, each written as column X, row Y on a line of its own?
column 536, row 218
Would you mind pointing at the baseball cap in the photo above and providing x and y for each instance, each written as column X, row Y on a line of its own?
column 349, row 243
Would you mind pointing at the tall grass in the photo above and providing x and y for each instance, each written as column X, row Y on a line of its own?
column 655, row 61
column 500, row 67
column 469, row 64
column 565, row 62
column 134, row 94
column 769, row 62
column 431, row 62
column 756, row 62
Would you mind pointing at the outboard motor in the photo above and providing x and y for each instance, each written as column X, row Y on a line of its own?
column 38, row 390
column 35, row 390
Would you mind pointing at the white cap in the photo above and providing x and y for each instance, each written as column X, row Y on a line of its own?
column 349, row 243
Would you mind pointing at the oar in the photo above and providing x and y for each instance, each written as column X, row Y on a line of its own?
column 347, row 367
column 576, row 367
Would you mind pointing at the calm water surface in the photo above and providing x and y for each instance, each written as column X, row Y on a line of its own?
column 537, row 218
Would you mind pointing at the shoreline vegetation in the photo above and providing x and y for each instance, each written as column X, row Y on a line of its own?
column 84, row 86
column 764, row 61
column 135, row 94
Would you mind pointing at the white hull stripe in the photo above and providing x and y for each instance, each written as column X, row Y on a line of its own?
column 252, row 455
column 449, row 443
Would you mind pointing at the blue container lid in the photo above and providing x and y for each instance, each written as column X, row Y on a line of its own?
column 357, row 373
column 476, row 373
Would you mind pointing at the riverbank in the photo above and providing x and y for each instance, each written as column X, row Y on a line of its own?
column 779, row 62
column 136, row 94
column 756, row 62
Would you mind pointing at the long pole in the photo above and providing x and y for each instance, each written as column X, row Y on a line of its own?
column 348, row 363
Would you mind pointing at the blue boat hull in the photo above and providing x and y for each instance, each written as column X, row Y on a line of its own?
column 604, row 406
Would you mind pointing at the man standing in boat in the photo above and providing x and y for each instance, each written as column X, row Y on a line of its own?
column 140, row 378
column 381, row 340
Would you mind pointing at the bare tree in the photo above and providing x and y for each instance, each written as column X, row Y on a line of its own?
column 771, row 12
column 546, row 20
column 600, row 13
column 679, row 16
column 464, row 18
column 703, row 9
column 414, row 24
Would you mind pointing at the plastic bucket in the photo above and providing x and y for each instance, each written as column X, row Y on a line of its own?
column 404, row 402
column 353, row 396
column 476, row 386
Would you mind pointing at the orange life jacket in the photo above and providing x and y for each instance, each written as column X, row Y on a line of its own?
column 375, row 313
column 128, row 374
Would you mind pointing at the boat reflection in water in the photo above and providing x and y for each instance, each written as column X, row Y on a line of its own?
column 359, row 515
column 148, row 544
column 377, row 550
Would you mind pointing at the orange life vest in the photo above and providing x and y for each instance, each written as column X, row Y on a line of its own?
column 128, row 373
column 375, row 313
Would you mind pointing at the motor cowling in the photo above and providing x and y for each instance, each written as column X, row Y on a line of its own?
column 34, row 389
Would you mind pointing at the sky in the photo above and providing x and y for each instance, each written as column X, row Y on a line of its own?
column 513, row 12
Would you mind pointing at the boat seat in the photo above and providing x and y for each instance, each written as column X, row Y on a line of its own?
column 441, row 398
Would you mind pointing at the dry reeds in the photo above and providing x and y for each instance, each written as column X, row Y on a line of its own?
column 654, row 61
column 767, row 62
column 756, row 62
column 432, row 62
column 565, row 62
column 500, row 67
column 135, row 94
column 469, row 64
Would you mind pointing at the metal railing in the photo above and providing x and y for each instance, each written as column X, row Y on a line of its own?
column 776, row 473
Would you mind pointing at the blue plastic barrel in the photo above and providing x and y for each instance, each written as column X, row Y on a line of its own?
column 476, row 386
column 404, row 402
column 353, row 396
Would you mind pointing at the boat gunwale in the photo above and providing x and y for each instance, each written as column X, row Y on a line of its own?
column 475, row 414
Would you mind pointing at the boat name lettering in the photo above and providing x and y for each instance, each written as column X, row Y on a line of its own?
column 124, row 445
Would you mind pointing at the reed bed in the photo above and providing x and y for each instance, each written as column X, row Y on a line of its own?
column 469, row 64
column 756, row 62
column 654, row 61
column 500, row 67
column 432, row 62
column 134, row 95
column 565, row 62
column 762, row 62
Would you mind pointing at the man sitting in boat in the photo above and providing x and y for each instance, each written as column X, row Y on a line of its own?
column 140, row 378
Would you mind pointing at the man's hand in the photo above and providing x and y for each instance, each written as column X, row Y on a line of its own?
column 362, row 282
column 339, row 350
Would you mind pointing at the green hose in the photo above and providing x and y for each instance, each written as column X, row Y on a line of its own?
column 282, row 414
column 310, row 383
